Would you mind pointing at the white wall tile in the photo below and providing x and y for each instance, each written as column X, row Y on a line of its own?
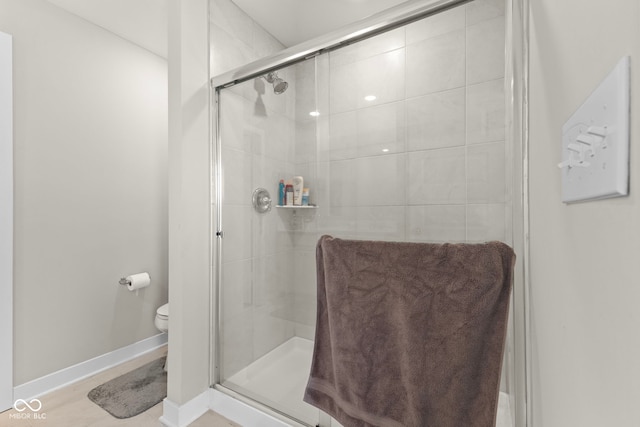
column 486, row 112
column 237, row 343
column 343, row 135
column 305, row 146
column 267, row 174
column 270, row 233
column 237, row 233
column 306, row 237
column 437, row 223
column 382, row 76
column 373, row 46
column 228, row 52
column 381, row 223
column 436, row 120
column 236, row 291
column 436, row 177
column 304, row 91
column 235, row 113
column 343, row 88
column 338, row 221
column 269, row 329
column 436, row 25
column 322, row 190
column 273, row 136
column 480, row 10
column 486, row 173
column 232, row 19
column 379, row 181
column 237, row 173
column 485, row 51
column 303, row 280
column 272, row 276
column 263, row 43
column 343, row 190
column 486, row 223
column 323, row 140
column 381, row 128
column 436, row 64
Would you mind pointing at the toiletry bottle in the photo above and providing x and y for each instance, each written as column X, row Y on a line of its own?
column 305, row 197
column 281, row 193
column 298, row 185
column 288, row 199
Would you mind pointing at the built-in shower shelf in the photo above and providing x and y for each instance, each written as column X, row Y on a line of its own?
column 297, row 207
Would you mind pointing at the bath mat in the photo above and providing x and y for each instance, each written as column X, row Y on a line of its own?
column 134, row 392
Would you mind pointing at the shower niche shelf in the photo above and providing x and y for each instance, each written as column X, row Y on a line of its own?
column 296, row 207
column 297, row 216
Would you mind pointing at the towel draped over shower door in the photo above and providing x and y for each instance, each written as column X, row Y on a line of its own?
column 410, row 334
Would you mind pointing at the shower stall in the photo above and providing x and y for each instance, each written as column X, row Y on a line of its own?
column 404, row 127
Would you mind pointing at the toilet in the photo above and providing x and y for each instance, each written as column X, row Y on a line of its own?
column 162, row 323
column 162, row 318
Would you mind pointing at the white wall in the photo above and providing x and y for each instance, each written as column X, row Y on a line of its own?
column 584, row 281
column 189, row 200
column 6, row 220
column 90, row 135
column 236, row 39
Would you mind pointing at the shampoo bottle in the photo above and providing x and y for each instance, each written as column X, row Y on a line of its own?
column 281, row 193
column 297, row 190
column 288, row 199
column 305, row 197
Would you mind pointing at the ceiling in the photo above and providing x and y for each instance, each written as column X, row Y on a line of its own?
column 144, row 22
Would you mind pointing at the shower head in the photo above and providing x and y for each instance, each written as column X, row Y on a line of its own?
column 279, row 85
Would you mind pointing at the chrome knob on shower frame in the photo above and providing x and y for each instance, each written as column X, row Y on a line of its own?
column 261, row 200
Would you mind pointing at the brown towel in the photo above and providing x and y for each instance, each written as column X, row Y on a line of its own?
column 410, row 334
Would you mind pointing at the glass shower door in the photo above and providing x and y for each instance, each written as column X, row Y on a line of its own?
column 399, row 137
column 266, row 288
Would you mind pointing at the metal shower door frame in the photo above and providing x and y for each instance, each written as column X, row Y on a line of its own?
column 516, row 101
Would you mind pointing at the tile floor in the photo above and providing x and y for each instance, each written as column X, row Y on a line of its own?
column 70, row 407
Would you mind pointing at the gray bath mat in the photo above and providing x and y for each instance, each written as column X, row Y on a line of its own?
column 134, row 392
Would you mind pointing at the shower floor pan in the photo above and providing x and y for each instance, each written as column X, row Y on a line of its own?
column 282, row 375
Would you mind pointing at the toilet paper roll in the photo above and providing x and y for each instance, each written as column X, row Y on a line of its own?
column 138, row 281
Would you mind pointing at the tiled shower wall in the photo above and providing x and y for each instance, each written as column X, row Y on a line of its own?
column 257, row 149
column 426, row 160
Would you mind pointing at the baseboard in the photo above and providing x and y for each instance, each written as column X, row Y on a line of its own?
column 233, row 409
column 174, row 415
column 72, row 374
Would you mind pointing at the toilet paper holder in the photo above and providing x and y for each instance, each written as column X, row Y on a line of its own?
column 136, row 281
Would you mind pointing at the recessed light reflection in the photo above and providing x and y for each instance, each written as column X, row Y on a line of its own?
column 314, row 114
column 370, row 98
column 385, row 150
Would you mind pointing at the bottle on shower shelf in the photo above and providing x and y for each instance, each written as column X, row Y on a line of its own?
column 288, row 199
column 298, row 186
column 281, row 193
